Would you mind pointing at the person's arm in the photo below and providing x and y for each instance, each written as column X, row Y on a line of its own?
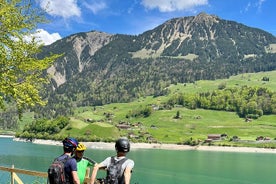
column 127, row 174
column 91, row 161
column 74, row 170
column 76, row 179
column 94, row 173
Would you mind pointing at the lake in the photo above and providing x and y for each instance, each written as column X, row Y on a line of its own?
column 152, row 166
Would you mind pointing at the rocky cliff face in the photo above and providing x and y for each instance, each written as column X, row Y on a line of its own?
column 203, row 34
column 77, row 50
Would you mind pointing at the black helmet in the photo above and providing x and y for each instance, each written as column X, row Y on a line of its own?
column 122, row 145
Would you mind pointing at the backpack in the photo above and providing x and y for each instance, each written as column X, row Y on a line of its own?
column 56, row 173
column 114, row 175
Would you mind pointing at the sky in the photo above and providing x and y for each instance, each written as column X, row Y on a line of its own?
column 133, row 17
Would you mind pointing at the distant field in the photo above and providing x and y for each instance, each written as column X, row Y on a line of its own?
column 161, row 126
column 248, row 79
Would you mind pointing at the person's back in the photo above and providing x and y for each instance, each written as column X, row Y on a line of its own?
column 115, row 169
column 118, row 167
column 70, row 164
column 56, row 171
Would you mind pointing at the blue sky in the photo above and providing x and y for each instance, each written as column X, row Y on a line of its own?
column 133, row 17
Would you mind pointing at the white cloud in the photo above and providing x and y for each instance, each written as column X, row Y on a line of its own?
column 95, row 6
column 63, row 8
column 173, row 5
column 259, row 4
column 46, row 38
column 247, row 7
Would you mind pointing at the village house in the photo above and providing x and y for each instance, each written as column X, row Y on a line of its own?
column 123, row 126
column 214, row 136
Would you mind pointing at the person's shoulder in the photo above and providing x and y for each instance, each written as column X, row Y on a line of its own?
column 129, row 160
column 129, row 163
column 71, row 160
column 62, row 157
column 126, row 160
column 106, row 161
column 86, row 160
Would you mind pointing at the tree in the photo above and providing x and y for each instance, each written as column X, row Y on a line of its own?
column 177, row 116
column 21, row 70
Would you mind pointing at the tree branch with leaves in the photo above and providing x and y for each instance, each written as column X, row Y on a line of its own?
column 21, row 70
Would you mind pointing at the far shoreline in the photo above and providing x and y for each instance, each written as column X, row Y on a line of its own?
column 156, row 146
column 6, row 136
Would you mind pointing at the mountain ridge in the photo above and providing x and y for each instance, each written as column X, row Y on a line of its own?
column 99, row 68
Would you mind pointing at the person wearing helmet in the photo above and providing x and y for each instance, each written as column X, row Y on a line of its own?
column 70, row 165
column 82, row 162
column 120, row 162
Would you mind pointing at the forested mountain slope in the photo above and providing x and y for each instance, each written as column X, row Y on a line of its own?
column 98, row 68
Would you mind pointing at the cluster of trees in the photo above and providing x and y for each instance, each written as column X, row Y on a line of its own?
column 9, row 119
column 44, row 128
column 50, row 130
column 141, row 112
column 248, row 102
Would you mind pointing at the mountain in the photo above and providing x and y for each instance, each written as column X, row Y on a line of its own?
column 98, row 68
column 77, row 50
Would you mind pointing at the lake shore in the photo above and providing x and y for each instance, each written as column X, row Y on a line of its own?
column 7, row 136
column 134, row 146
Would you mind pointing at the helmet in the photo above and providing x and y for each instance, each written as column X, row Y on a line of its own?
column 122, row 145
column 70, row 143
column 81, row 147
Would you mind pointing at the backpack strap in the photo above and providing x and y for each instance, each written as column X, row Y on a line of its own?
column 119, row 161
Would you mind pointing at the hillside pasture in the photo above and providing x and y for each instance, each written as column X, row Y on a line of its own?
column 196, row 124
column 98, row 123
column 192, row 124
column 249, row 79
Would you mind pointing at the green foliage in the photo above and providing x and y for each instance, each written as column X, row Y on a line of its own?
column 177, row 116
column 20, row 70
column 43, row 126
column 265, row 79
column 222, row 86
column 249, row 102
column 9, row 118
column 140, row 112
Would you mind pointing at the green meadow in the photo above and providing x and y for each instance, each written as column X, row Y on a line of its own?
column 192, row 126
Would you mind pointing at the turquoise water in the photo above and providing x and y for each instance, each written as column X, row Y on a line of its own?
column 153, row 166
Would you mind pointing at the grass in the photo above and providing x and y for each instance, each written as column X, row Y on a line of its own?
column 27, row 118
column 194, row 124
column 163, row 127
column 77, row 123
column 249, row 79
